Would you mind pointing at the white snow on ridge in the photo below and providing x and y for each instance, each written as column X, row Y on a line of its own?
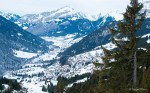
column 147, row 35
column 115, row 14
column 66, row 11
column 79, row 81
column 22, row 54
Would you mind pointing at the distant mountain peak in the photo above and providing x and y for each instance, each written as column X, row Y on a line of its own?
column 66, row 9
column 43, row 17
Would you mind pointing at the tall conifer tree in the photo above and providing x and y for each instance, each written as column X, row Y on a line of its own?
column 125, row 38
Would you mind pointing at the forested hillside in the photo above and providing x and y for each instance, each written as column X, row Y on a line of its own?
column 126, row 68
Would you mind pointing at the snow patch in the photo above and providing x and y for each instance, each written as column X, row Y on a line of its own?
column 74, row 18
column 19, row 34
column 147, row 35
column 148, row 41
column 5, row 86
column 22, row 54
column 25, row 27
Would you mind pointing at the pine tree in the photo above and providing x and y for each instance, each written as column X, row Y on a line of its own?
column 60, row 85
column 44, row 88
column 1, row 87
column 123, row 70
column 50, row 88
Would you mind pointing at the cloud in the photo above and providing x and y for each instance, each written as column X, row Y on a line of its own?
column 86, row 6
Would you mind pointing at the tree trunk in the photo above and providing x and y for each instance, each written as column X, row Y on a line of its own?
column 135, row 71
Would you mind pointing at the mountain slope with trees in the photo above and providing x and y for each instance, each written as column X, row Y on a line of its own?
column 126, row 68
column 13, row 38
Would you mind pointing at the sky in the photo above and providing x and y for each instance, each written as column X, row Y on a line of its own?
column 92, row 7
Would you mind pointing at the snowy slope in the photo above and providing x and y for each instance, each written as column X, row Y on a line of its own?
column 22, row 54
column 15, row 41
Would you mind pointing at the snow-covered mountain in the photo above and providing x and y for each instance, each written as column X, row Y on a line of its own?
column 47, row 22
column 61, row 22
column 49, row 16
